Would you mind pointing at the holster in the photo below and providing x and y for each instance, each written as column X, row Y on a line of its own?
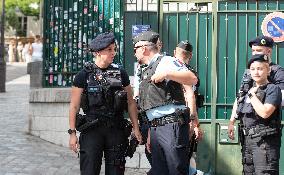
column 131, row 148
column 82, row 123
column 241, row 133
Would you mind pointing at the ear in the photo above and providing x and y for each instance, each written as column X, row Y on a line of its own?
column 96, row 53
column 190, row 55
column 269, row 70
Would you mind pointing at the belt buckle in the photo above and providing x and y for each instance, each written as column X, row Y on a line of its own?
column 154, row 123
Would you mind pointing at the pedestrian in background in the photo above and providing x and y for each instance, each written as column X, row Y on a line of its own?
column 161, row 99
column 107, row 92
column 20, row 48
column 12, row 51
column 36, row 49
column 26, row 54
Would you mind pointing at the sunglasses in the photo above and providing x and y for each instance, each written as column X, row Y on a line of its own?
column 137, row 47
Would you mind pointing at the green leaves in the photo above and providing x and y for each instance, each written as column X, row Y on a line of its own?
column 27, row 7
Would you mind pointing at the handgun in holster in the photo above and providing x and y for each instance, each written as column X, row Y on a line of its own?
column 133, row 143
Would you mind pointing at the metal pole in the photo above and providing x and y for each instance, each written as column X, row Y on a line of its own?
column 2, row 51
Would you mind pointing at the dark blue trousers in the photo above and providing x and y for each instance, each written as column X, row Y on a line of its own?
column 169, row 147
column 102, row 140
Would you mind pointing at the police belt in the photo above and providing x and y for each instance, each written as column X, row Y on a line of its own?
column 170, row 118
column 260, row 131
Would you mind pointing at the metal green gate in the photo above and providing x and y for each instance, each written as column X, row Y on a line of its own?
column 68, row 26
column 219, row 32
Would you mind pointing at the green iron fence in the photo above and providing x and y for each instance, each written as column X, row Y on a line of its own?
column 68, row 27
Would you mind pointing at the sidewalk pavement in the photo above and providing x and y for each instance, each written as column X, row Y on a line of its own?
column 23, row 154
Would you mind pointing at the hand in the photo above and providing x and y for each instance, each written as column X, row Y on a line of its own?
column 198, row 133
column 159, row 77
column 231, row 130
column 253, row 90
column 73, row 143
column 138, row 135
column 148, row 144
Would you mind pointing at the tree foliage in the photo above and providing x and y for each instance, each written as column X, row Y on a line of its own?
column 24, row 6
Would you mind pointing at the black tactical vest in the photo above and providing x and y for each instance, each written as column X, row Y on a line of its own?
column 249, row 117
column 152, row 95
column 105, row 94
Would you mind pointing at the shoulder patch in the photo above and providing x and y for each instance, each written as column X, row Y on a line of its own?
column 178, row 63
column 114, row 65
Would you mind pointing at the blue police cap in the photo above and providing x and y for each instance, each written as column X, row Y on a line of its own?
column 146, row 36
column 262, row 41
column 185, row 45
column 259, row 58
column 101, row 42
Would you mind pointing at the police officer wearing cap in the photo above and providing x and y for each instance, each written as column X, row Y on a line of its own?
column 144, row 125
column 259, row 45
column 162, row 102
column 260, row 117
column 107, row 92
column 183, row 52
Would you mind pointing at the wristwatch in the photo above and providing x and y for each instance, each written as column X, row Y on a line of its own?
column 70, row 131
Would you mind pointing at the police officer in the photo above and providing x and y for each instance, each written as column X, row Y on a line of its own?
column 183, row 51
column 260, row 115
column 144, row 125
column 259, row 45
column 108, row 93
column 162, row 101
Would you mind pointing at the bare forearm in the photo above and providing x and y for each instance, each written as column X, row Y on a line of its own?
column 182, row 77
column 133, row 114
column 72, row 116
column 261, row 109
column 234, row 112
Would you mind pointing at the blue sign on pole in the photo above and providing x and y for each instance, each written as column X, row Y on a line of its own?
column 136, row 29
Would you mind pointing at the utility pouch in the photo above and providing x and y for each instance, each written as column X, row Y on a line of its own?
column 95, row 95
column 241, row 133
column 80, row 120
column 120, row 101
column 84, row 102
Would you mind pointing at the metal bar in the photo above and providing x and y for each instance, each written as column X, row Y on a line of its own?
column 226, row 61
column 2, row 51
column 246, row 32
column 236, row 53
column 250, row 11
column 214, row 84
column 160, row 15
column 178, row 23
